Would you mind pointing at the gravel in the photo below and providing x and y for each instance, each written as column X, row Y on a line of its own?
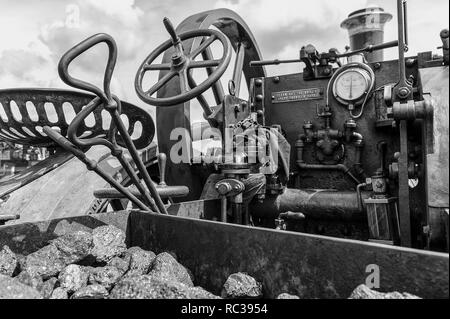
column 287, row 296
column 106, row 276
column 166, row 267
column 364, row 292
column 151, row 287
column 8, row 262
column 241, row 285
column 11, row 288
column 46, row 262
column 48, row 287
column 108, row 242
column 74, row 247
column 73, row 278
column 140, row 260
column 31, row 280
column 94, row 291
column 122, row 264
column 59, row 293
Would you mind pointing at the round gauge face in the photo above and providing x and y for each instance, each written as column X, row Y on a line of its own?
column 351, row 85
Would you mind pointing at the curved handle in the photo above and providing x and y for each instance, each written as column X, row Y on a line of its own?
column 76, row 122
column 77, row 50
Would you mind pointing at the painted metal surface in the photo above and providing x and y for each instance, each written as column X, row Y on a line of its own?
column 307, row 265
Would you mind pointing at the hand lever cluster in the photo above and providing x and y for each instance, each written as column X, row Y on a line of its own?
column 117, row 137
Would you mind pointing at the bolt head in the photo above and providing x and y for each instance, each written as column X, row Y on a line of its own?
column 403, row 92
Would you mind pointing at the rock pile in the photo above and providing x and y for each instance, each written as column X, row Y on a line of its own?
column 94, row 265
column 98, row 265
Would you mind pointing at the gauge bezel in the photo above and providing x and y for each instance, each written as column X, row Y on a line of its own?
column 359, row 99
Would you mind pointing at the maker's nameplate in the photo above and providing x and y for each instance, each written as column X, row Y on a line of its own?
column 296, row 95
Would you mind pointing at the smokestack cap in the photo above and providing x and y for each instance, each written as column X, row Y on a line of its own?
column 372, row 18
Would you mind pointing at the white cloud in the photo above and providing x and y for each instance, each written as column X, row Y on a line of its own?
column 34, row 35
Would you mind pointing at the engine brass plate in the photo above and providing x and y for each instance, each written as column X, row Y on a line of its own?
column 297, row 95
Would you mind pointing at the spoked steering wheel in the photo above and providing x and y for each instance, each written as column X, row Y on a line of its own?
column 181, row 65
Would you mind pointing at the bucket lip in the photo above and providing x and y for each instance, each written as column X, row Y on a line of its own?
column 353, row 18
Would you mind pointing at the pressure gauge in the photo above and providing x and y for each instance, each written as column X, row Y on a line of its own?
column 352, row 85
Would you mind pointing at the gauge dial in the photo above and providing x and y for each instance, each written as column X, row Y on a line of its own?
column 351, row 85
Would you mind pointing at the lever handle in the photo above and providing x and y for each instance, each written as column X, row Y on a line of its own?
column 77, row 50
column 162, row 161
column 272, row 62
column 171, row 30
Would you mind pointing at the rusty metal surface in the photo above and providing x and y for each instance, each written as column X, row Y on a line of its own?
column 178, row 116
column 306, row 265
column 23, row 128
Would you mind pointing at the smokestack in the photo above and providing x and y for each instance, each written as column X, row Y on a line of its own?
column 366, row 27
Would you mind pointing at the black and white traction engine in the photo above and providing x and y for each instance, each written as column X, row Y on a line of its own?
column 354, row 146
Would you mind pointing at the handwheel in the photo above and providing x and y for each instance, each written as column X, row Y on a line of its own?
column 181, row 65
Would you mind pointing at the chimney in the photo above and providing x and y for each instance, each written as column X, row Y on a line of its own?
column 366, row 27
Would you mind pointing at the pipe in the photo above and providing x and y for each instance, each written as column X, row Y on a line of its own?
column 358, row 194
column 359, row 143
column 337, row 167
column 321, row 204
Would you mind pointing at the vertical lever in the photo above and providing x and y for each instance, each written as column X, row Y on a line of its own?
column 403, row 90
column 162, row 161
column 405, row 23
column 169, row 27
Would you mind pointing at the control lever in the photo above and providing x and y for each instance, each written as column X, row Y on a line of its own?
column 369, row 48
column 171, row 30
column 162, row 161
column 77, row 145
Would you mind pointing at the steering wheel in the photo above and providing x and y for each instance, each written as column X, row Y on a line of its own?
column 181, row 65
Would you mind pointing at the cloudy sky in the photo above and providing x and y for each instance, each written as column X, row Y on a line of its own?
column 34, row 34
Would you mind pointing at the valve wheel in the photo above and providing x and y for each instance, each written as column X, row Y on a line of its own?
column 181, row 66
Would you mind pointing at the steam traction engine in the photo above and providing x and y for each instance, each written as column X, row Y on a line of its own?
column 352, row 147
column 368, row 138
